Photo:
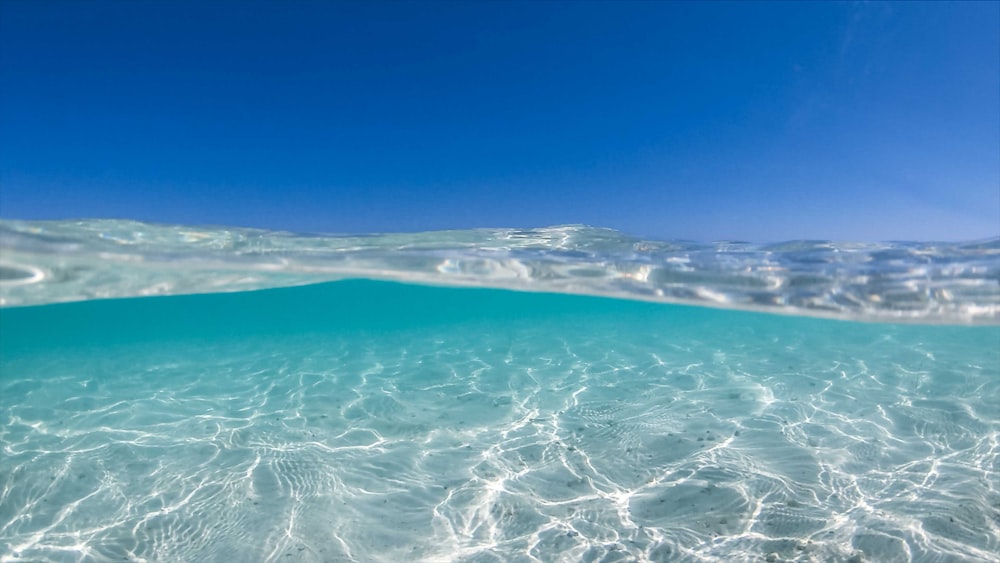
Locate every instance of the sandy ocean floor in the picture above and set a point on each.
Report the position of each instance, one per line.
(374, 421)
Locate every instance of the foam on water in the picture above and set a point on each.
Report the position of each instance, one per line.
(376, 421)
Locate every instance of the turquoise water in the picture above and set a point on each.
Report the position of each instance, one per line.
(364, 420)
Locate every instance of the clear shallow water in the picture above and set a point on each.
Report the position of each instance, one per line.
(378, 421)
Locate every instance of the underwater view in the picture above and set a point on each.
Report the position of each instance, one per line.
(173, 393)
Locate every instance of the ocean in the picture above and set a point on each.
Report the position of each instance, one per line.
(176, 393)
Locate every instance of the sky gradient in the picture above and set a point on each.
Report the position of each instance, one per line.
(844, 121)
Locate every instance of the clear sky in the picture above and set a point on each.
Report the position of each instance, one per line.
(705, 121)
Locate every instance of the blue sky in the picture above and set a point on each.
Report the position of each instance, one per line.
(749, 121)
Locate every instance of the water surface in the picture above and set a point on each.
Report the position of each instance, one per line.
(365, 420)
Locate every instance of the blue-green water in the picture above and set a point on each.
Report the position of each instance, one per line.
(637, 401)
(377, 421)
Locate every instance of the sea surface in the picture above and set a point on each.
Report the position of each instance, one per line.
(174, 393)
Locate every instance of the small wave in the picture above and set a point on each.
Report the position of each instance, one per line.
(44, 262)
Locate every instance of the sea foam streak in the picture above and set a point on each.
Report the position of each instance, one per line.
(947, 283)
